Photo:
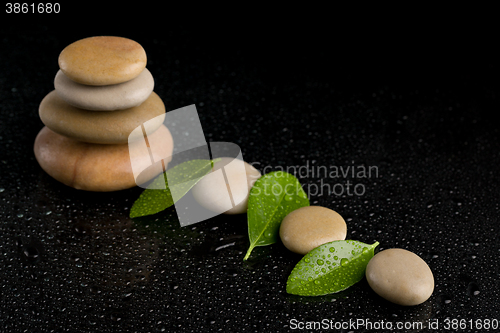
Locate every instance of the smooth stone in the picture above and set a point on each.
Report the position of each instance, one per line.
(212, 191)
(309, 227)
(96, 167)
(102, 60)
(105, 98)
(100, 127)
(400, 276)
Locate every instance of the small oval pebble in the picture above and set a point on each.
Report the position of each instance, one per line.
(400, 276)
(96, 167)
(214, 193)
(309, 227)
(105, 98)
(102, 60)
(100, 127)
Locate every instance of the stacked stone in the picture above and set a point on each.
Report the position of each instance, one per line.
(103, 91)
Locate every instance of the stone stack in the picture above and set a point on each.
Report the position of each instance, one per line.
(103, 92)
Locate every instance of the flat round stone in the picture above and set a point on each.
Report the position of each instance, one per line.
(226, 193)
(102, 60)
(100, 127)
(400, 276)
(96, 167)
(105, 98)
(309, 227)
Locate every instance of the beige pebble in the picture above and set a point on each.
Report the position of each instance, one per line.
(100, 127)
(214, 193)
(96, 167)
(105, 98)
(400, 276)
(102, 60)
(309, 227)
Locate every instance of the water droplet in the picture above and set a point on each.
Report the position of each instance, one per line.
(332, 249)
(31, 253)
(320, 262)
(335, 258)
(443, 299)
(307, 260)
(473, 289)
(344, 261)
(288, 198)
(1, 189)
(365, 250)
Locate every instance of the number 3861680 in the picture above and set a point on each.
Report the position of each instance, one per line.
(25, 8)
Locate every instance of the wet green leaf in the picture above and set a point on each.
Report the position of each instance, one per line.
(162, 194)
(330, 268)
(272, 197)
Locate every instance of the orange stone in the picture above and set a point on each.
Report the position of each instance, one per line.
(97, 167)
(100, 127)
(102, 60)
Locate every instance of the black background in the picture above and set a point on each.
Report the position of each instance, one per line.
(414, 95)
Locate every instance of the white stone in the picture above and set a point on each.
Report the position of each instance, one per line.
(226, 188)
(400, 276)
(105, 98)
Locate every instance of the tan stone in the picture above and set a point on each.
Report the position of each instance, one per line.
(96, 167)
(96, 126)
(309, 227)
(102, 60)
(400, 276)
(105, 98)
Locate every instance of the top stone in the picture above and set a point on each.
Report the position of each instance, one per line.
(102, 60)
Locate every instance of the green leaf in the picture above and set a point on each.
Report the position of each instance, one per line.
(162, 194)
(330, 268)
(272, 197)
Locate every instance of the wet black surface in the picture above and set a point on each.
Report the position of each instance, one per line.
(420, 110)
